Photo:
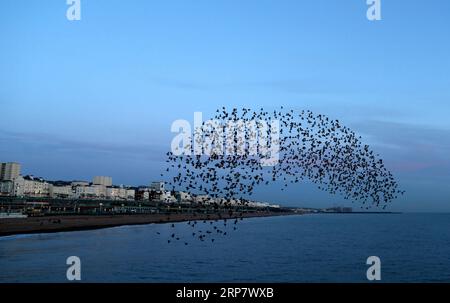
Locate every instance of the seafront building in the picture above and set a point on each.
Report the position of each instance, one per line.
(30, 186)
(120, 193)
(101, 188)
(203, 199)
(93, 191)
(6, 188)
(9, 171)
(60, 192)
(102, 180)
(183, 197)
(142, 193)
(79, 183)
(157, 186)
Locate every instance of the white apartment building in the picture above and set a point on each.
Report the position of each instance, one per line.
(119, 193)
(91, 192)
(183, 196)
(142, 194)
(157, 186)
(61, 191)
(6, 188)
(9, 171)
(204, 199)
(166, 196)
(30, 186)
(116, 193)
(145, 196)
(102, 180)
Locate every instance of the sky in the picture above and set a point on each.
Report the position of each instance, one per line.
(98, 96)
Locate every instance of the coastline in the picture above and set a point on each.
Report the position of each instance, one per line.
(53, 224)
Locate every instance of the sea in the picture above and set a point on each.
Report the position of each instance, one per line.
(412, 247)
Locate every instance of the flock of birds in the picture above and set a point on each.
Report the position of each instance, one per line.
(204, 230)
(310, 147)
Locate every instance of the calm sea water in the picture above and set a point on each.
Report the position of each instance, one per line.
(311, 248)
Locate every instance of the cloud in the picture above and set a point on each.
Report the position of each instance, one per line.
(297, 86)
(181, 84)
(293, 86)
(409, 147)
(55, 144)
(405, 134)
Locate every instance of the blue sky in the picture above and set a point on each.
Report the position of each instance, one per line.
(98, 96)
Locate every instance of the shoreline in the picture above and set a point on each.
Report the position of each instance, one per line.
(54, 224)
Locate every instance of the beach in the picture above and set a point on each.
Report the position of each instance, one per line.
(50, 224)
